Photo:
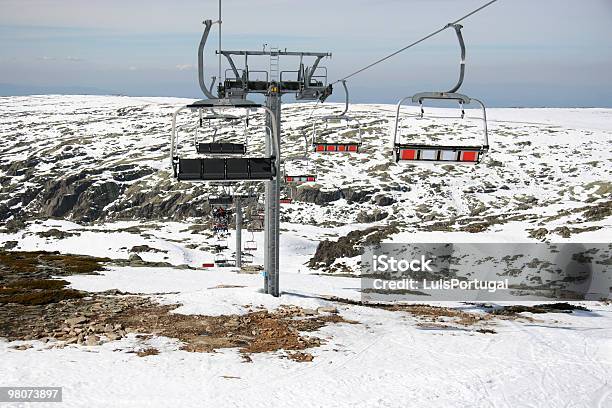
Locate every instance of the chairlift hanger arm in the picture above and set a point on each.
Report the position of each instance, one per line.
(458, 28)
(310, 72)
(208, 25)
(232, 65)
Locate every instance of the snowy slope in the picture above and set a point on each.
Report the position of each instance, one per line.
(89, 158)
(387, 359)
(95, 170)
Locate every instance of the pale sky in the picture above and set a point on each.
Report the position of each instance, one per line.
(520, 52)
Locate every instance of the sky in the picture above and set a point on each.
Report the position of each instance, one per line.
(527, 53)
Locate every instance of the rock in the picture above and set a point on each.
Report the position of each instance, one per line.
(145, 248)
(113, 336)
(309, 312)
(75, 321)
(22, 347)
(8, 245)
(348, 246)
(366, 217)
(135, 258)
(384, 201)
(57, 234)
(539, 233)
(92, 340)
(327, 309)
(14, 225)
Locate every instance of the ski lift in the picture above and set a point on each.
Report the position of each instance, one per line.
(286, 198)
(220, 258)
(342, 146)
(221, 261)
(301, 169)
(221, 243)
(425, 152)
(247, 258)
(251, 244)
(230, 167)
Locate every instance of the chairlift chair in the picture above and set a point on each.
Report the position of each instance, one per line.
(247, 258)
(339, 146)
(301, 169)
(221, 243)
(425, 152)
(251, 244)
(229, 167)
(285, 197)
(220, 258)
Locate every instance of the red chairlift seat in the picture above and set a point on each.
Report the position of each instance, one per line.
(336, 147)
(300, 179)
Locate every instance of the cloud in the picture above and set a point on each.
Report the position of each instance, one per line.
(185, 67)
(46, 58)
(73, 59)
(132, 68)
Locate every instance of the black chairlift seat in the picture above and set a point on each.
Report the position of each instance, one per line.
(207, 169)
(221, 148)
(224, 200)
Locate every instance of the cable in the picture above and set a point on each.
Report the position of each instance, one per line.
(415, 43)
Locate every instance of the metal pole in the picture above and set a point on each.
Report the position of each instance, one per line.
(220, 23)
(271, 265)
(267, 184)
(238, 233)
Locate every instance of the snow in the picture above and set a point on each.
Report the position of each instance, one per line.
(386, 360)
(556, 156)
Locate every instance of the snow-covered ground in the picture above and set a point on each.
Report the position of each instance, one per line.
(546, 170)
(385, 360)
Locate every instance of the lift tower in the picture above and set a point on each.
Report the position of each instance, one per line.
(306, 82)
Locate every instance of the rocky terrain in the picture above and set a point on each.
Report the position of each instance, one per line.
(94, 159)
